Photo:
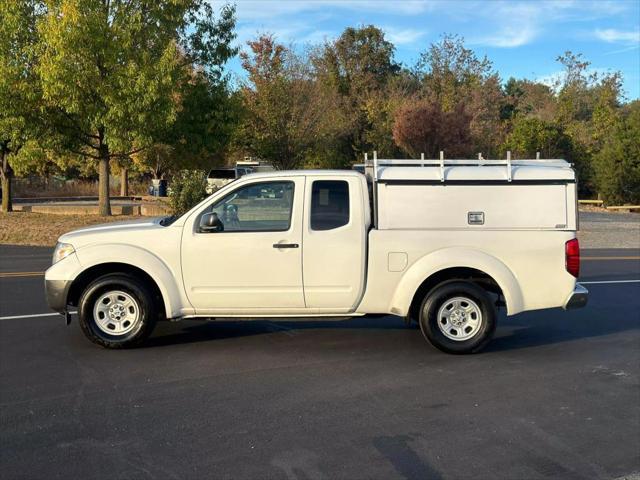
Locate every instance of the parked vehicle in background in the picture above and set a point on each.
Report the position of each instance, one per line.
(442, 243)
(219, 177)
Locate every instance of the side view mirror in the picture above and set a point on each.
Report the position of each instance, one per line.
(210, 222)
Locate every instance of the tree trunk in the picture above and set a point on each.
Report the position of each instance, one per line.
(7, 175)
(124, 182)
(104, 206)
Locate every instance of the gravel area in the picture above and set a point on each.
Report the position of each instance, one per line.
(609, 230)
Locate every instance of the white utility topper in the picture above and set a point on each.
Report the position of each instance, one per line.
(440, 242)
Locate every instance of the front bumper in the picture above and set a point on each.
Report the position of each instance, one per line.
(57, 282)
(56, 292)
(578, 298)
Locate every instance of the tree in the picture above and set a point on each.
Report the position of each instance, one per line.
(187, 190)
(283, 112)
(588, 101)
(606, 109)
(360, 60)
(156, 159)
(20, 94)
(331, 146)
(525, 97)
(112, 70)
(454, 77)
(199, 137)
(483, 109)
(450, 71)
(617, 164)
(588, 109)
(357, 66)
(532, 135)
(206, 116)
(205, 123)
(423, 127)
(574, 97)
(124, 165)
(32, 159)
(381, 107)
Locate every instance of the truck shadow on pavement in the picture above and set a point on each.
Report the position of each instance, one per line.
(522, 331)
(217, 330)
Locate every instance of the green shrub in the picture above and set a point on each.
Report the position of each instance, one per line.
(617, 164)
(187, 190)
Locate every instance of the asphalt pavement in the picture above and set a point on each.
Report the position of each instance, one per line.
(556, 394)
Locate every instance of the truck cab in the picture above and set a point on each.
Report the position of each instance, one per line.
(245, 252)
(442, 244)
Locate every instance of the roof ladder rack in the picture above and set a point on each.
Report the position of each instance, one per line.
(373, 167)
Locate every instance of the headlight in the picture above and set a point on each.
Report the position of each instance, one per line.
(62, 250)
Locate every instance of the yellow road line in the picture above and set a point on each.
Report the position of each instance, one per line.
(21, 274)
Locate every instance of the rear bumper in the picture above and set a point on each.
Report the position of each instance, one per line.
(578, 298)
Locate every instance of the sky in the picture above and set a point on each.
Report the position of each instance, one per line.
(521, 38)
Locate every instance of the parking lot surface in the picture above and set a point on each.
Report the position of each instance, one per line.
(556, 394)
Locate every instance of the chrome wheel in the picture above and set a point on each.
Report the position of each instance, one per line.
(459, 318)
(116, 312)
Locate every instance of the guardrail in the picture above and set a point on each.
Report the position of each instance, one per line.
(618, 208)
(625, 208)
(132, 198)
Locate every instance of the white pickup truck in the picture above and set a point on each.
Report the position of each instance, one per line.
(440, 242)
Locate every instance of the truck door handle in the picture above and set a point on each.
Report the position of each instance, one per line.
(285, 245)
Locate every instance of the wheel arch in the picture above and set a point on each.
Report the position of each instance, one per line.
(456, 263)
(92, 273)
(133, 261)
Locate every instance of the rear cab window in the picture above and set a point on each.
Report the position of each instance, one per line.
(329, 204)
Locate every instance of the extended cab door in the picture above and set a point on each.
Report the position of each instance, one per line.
(334, 242)
(253, 265)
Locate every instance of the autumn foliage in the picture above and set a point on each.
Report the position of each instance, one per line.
(86, 86)
(425, 128)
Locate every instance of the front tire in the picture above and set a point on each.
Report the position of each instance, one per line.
(458, 317)
(117, 311)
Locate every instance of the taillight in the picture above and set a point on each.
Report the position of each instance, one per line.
(572, 257)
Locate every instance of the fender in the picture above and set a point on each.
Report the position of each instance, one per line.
(451, 258)
(165, 279)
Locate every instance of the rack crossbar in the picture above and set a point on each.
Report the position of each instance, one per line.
(469, 162)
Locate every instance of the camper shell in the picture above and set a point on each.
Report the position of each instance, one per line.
(473, 194)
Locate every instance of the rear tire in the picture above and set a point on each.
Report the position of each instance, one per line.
(458, 317)
(117, 311)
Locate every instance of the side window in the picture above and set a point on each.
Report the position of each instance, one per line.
(329, 204)
(258, 207)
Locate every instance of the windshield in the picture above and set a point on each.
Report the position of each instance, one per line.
(166, 221)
